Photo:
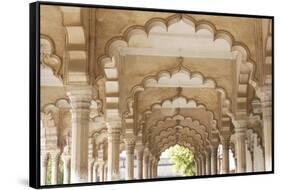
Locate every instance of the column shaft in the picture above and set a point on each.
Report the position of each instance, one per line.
(66, 169)
(130, 147)
(267, 126)
(214, 162)
(145, 166)
(203, 164)
(267, 131)
(54, 167)
(80, 102)
(140, 163)
(149, 167)
(90, 172)
(156, 169)
(101, 172)
(44, 167)
(208, 163)
(225, 158)
(94, 173)
(197, 167)
(240, 149)
(113, 153)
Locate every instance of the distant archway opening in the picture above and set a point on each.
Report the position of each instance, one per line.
(176, 161)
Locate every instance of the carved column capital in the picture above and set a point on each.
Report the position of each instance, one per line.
(130, 144)
(44, 159)
(114, 134)
(55, 155)
(80, 97)
(140, 151)
(241, 127)
(266, 101)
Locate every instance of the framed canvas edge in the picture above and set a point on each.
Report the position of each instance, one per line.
(34, 93)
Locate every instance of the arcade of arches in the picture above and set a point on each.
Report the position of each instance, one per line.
(141, 82)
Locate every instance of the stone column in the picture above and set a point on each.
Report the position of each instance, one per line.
(54, 168)
(140, 162)
(214, 155)
(208, 162)
(90, 171)
(105, 174)
(113, 152)
(43, 168)
(153, 168)
(225, 155)
(66, 169)
(149, 166)
(145, 165)
(156, 168)
(95, 172)
(80, 101)
(241, 147)
(203, 164)
(197, 167)
(130, 148)
(249, 159)
(267, 126)
(101, 171)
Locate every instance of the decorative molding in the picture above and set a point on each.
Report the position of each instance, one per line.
(48, 56)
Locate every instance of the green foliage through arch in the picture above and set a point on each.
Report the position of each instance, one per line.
(183, 159)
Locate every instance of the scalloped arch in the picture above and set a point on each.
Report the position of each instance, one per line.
(169, 141)
(175, 100)
(99, 132)
(48, 55)
(184, 131)
(165, 24)
(179, 117)
(154, 79)
(166, 146)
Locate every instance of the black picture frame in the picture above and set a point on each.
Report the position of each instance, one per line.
(34, 93)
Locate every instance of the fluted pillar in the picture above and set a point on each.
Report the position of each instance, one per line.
(149, 166)
(241, 147)
(90, 171)
(266, 101)
(153, 168)
(249, 159)
(145, 165)
(156, 168)
(105, 174)
(214, 155)
(66, 169)
(197, 167)
(80, 98)
(208, 162)
(130, 147)
(113, 152)
(101, 171)
(54, 168)
(140, 162)
(225, 156)
(203, 164)
(95, 172)
(43, 169)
